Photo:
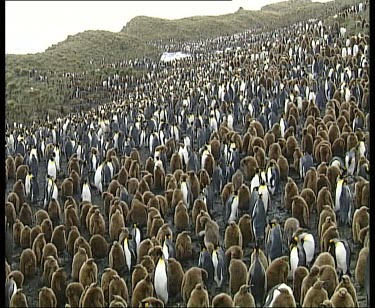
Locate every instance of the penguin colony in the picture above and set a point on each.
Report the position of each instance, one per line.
(249, 191)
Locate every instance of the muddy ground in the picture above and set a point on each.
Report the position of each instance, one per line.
(31, 286)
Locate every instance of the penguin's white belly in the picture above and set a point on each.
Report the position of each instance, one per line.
(341, 257)
(184, 193)
(309, 246)
(293, 261)
(161, 283)
(86, 195)
(128, 257)
(338, 195)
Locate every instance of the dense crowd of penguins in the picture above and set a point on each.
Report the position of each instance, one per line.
(156, 198)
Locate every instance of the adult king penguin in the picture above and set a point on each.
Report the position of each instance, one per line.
(161, 279)
(340, 250)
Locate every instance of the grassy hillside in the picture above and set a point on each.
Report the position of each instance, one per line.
(27, 98)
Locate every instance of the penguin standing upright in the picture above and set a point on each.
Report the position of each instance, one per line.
(10, 289)
(273, 178)
(297, 256)
(86, 192)
(51, 168)
(343, 201)
(129, 252)
(233, 216)
(340, 250)
(259, 219)
(350, 161)
(137, 236)
(168, 248)
(274, 244)
(308, 244)
(218, 263)
(257, 279)
(161, 279)
(28, 180)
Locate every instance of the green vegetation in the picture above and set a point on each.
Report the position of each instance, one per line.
(93, 52)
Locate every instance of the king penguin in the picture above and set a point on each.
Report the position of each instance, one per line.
(168, 248)
(51, 168)
(340, 250)
(161, 279)
(308, 244)
(274, 245)
(218, 262)
(257, 279)
(10, 289)
(344, 202)
(86, 192)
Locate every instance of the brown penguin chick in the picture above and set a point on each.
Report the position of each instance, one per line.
(155, 223)
(364, 236)
(10, 167)
(175, 276)
(142, 290)
(328, 274)
(309, 196)
(351, 141)
(192, 277)
(361, 219)
(170, 182)
(360, 267)
(99, 246)
(139, 273)
(237, 275)
(132, 185)
(348, 285)
(117, 286)
(150, 164)
(47, 298)
(299, 274)
(71, 217)
(290, 226)
(26, 215)
(237, 180)
(291, 191)
(315, 295)
(201, 220)
(310, 180)
(151, 201)
(326, 211)
(243, 297)
(78, 260)
(215, 149)
(222, 300)
(54, 212)
(322, 168)
(296, 159)
(19, 190)
(183, 246)
(74, 175)
(176, 162)
(260, 156)
(134, 170)
(246, 229)
(225, 192)
(97, 223)
(40, 215)
(13, 198)
(47, 229)
(248, 166)
(17, 277)
(81, 242)
(58, 238)
(18, 299)
(198, 297)
(291, 145)
(159, 178)
(25, 237)
(198, 206)
(309, 281)
(59, 284)
(151, 302)
(307, 141)
(143, 186)
(72, 236)
(209, 165)
(274, 151)
(137, 214)
(37, 247)
(338, 147)
(163, 232)
(322, 182)
(181, 216)
(331, 233)
(67, 188)
(10, 213)
(148, 263)
(73, 293)
(115, 225)
(332, 173)
(84, 213)
(143, 249)
(269, 139)
(283, 164)
(243, 198)
(112, 187)
(107, 198)
(93, 297)
(277, 272)
(117, 257)
(48, 250)
(262, 257)
(106, 279)
(324, 258)
(88, 273)
(211, 232)
(329, 222)
(17, 230)
(233, 235)
(50, 266)
(163, 204)
(28, 263)
(300, 210)
(342, 298)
